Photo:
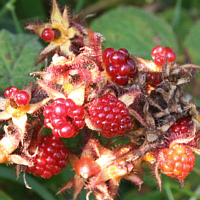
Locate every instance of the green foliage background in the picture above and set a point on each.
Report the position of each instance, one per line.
(138, 25)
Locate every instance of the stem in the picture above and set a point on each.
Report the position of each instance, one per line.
(177, 14)
(168, 191)
(6, 7)
(79, 6)
(15, 19)
(187, 192)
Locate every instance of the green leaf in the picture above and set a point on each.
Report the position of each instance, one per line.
(184, 24)
(191, 44)
(7, 173)
(18, 53)
(4, 196)
(137, 31)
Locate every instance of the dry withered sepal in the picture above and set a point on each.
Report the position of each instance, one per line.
(77, 72)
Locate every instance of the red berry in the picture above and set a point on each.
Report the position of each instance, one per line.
(59, 109)
(119, 65)
(106, 55)
(118, 58)
(112, 70)
(182, 128)
(110, 115)
(22, 98)
(51, 158)
(154, 78)
(10, 92)
(67, 130)
(47, 34)
(121, 80)
(171, 56)
(48, 111)
(176, 161)
(133, 68)
(125, 52)
(160, 61)
(64, 117)
(158, 50)
(86, 167)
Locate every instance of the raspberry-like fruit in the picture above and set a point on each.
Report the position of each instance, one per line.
(22, 98)
(119, 65)
(10, 92)
(47, 34)
(162, 55)
(176, 161)
(110, 115)
(51, 157)
(181, 129)
(64, 117)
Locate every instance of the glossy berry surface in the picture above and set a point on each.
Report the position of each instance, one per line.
(50, 159)
(64, 117)
(110, 115)
(182, 128)
(119, 66)
(86, 167)
(22, 98)
(154, 78)
(47, 34)
(163, 55)
(176, 161)
(10, 92)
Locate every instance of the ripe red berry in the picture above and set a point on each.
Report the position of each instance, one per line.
(51, 158)
(22, 98)
(181, 129)
(106, 55)
(110, 115)
(86, 167)
(47, 34)
(176, 161)
(10, 92)
(158, 50)
(119, 65)
(171, 56)
(162, 55)
(64, 117)
(160, 60)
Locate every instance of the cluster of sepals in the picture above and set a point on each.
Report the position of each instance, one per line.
(154, 99)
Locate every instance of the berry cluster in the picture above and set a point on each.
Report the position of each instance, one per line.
(50, 159)
(182, 129)
(110, 115)
(64, 117)
(176, 161)
(21, 98)
(162, 55)
(48, 34)
(119, 65)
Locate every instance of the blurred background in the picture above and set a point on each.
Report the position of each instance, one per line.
(138, 26)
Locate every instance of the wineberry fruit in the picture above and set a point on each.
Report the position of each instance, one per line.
(47, 34)
(176, 161)
(110, 115)
(10, 92)
(51, 158)
(22, 98)
(119, 65)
